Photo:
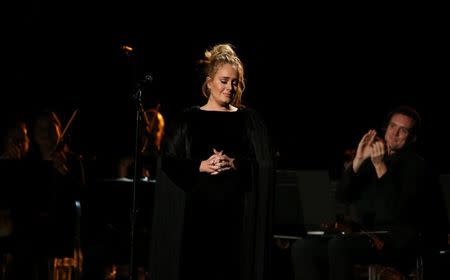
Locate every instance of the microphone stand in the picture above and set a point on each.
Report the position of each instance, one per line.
(136, 175)
(137, 96)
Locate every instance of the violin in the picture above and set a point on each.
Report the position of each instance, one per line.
(61, 144)
(348, 228)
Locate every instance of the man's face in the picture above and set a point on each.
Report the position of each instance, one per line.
(398, 132)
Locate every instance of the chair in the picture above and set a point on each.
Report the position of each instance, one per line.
(436, 263)
(380, 272)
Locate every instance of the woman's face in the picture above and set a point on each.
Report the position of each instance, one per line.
(18, 137)
(47, 133)
(223, 85)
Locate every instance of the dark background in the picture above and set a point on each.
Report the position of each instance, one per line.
(320, 77)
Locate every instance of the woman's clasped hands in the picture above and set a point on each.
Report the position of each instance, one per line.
(217, 163)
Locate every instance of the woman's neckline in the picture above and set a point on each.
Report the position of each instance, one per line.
(231, 110)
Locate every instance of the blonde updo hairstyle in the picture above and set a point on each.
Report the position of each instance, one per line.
(213, 59)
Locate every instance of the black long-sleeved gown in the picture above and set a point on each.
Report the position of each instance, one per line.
(213, 226)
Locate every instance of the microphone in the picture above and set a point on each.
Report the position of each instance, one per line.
(147, 80)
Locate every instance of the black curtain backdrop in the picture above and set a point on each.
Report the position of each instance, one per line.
(320, 81)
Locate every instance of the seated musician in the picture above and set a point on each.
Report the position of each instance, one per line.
(389, 188)
(46, 212)
(108, 246)
(14, 145)
(152, 134)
